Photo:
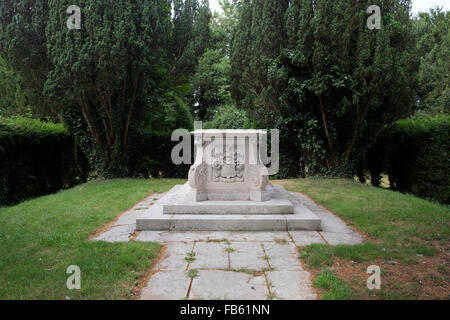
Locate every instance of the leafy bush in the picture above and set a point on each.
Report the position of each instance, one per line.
(416, 155)
(228, 117)
(36, 158)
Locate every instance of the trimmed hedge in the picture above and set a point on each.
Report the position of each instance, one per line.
(36, 158)
(415, 153)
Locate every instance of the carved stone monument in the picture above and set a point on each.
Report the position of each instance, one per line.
(228, 166)
(228, 190)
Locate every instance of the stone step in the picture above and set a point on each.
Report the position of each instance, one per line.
(274, 206)
(228, 222)
(176, 212)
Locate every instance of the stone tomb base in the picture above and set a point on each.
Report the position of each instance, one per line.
(176, 211)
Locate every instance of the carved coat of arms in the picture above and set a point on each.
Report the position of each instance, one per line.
(228, 167)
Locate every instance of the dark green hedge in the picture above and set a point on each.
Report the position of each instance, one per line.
(415, 153)
(152, 157)
(36, 158)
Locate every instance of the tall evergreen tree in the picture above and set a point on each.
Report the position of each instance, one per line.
(433, 45)
(111, 69)
(191, 36)
(324, 78)
(240, 53)
(23, 45)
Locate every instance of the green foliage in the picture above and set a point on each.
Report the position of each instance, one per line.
(404, 226)
(20, 126)
(173, 114)
(111, 71)
(210, 84)
(417, 156)
(191, 36)
(40, 238)
(228, 117)
(126, 70)
(315, 71)
(12, 98)
(37, 158)
(23, 44)
(337, 288)
(224, 24)
(433, 46)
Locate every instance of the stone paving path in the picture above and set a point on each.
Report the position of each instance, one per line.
(230, 265)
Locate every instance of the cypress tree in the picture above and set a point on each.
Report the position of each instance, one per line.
(327, 81)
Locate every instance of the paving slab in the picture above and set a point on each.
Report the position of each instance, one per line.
(117, 234)
(131, 215)
(166, 285)
(212, 236)
(228, 285)
(247, 255)
(210, 255)
(282, 257)
(291, 285)
(173, 258)
(305, 238)
(174, 236)
(342, 238)
(329, 222)
(215, 279)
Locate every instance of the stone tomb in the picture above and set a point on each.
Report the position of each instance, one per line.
(228, 190)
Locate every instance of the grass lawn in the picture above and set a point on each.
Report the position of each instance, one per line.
(40, 238)
(408, 238)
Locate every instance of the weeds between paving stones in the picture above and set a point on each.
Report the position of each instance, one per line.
(281, 241)
(226, 241)
(272, 296)
(192, 273)
(190, 257)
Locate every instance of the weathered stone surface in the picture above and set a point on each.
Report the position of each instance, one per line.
(166, 285)
(173, 236)
(228, 166)
(304, 238)
(174, 256)
(342, 238)
(257, 236)
(330, 222)
(228, 285)
(183, 203)
(155, 219)
(247, 255)
(288, 281)
(282, 257)
(117, 234)
(130, 216)
(210, 255)
(274, 206)
(291, 285)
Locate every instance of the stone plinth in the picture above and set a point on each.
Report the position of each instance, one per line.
(228, 166)
(228, 190)
(271, 215)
